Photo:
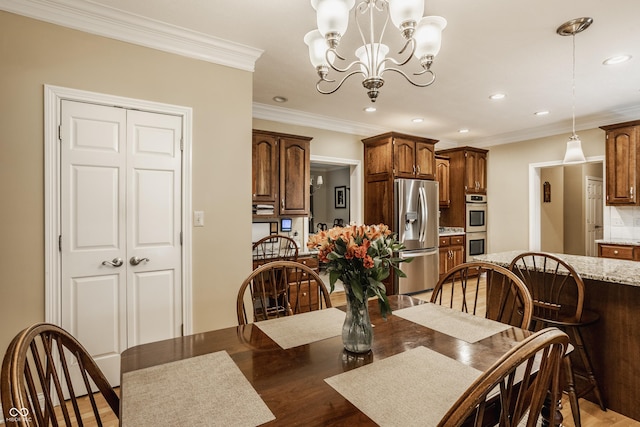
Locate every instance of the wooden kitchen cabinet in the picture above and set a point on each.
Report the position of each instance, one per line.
(265, 157)
(389, 156)
(451, 253)
(306, 295)
(475, 172)
(621, 155)
(626, 252)
(442, 176)
(281, 172)
(467, 175)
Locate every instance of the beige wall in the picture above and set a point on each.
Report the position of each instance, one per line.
(551, 213)
(33, 54)
(508, 184)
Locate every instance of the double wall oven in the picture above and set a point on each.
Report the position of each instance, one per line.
(475, 224)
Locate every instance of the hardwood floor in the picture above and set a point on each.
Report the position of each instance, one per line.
(591, 415)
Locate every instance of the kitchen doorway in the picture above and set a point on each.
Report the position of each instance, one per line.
(339, 197)
(558, 206)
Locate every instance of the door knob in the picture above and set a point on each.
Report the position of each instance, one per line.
(116, 262)
(135, 260)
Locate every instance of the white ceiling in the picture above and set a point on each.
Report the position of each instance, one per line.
(489, 46)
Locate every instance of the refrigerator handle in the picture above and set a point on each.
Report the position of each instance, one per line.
(422, 196)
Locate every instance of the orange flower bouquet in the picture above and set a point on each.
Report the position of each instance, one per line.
(361, 256)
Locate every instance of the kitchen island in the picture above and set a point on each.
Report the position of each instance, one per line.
(612, 289)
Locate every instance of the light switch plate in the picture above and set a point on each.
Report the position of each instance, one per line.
(198, 218)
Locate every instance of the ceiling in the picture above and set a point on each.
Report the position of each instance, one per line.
(488, 46)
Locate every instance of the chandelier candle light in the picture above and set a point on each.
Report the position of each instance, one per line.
(574, 152)
(421, 37)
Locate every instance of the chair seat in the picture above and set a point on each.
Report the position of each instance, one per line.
(588, 317)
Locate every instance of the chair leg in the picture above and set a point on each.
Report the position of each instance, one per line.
(579, 344)
(571, 390)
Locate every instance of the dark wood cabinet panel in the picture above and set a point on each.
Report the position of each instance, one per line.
(451, 250)
(295, 175)
(442, 176)
(265, 168)
(467, 175)
(475, 175)
(621, 154)
(626, 252)
(425, 160)
(281, 172)
(389, 156)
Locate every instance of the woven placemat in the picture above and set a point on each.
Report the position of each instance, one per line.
(208, 390)
(413, 388)
(454, 323)
(305, 328)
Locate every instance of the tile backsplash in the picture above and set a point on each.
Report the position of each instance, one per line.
(622, 222)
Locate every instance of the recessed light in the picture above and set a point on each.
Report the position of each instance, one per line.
(418, 120)
(369, 109)
(497, 96)
(463, 131)
(280, 99)
(616, 59)
(541, 113)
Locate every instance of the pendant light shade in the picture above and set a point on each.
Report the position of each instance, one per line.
(574, 152)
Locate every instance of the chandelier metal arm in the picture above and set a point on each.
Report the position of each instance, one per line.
(348, 67)
(430, 82)
(324, 92)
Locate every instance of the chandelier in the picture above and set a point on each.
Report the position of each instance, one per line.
(574, 152)
(421, 39)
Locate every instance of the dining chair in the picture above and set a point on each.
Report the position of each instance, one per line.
(558, 300)
(273, 248)
(44, 363)
(519, 380)
(281, 288)
(507, 298)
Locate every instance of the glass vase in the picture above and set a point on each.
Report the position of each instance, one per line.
(357, 332)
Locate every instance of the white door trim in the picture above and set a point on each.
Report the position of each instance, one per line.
(534, 197)
(52, 99)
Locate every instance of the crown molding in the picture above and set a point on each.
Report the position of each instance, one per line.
(300, 118)
(116, 24)
(618, 115)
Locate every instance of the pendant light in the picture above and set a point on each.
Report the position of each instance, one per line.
(574, 152)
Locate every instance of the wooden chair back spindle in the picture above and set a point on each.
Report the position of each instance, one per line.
(46, 361)
(507, 298)
(281, 288)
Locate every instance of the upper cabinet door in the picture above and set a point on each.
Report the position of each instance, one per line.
(425, 160)
(295, 176)
(442, 176)
(265, 168)
(621, 159)
(404, 154)
(475, 172)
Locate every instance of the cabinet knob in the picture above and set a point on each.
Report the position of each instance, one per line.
(615, 252)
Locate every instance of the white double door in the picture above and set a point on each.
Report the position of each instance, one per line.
(120, 228)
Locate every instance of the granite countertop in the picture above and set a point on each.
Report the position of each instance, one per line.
(602, 269)
(626, 241)
(450, 231)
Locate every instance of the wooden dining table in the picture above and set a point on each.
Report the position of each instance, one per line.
(292, 382)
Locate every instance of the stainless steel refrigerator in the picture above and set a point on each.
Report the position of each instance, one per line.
(416, 222)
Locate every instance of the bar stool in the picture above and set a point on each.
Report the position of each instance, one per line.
(558, 298)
